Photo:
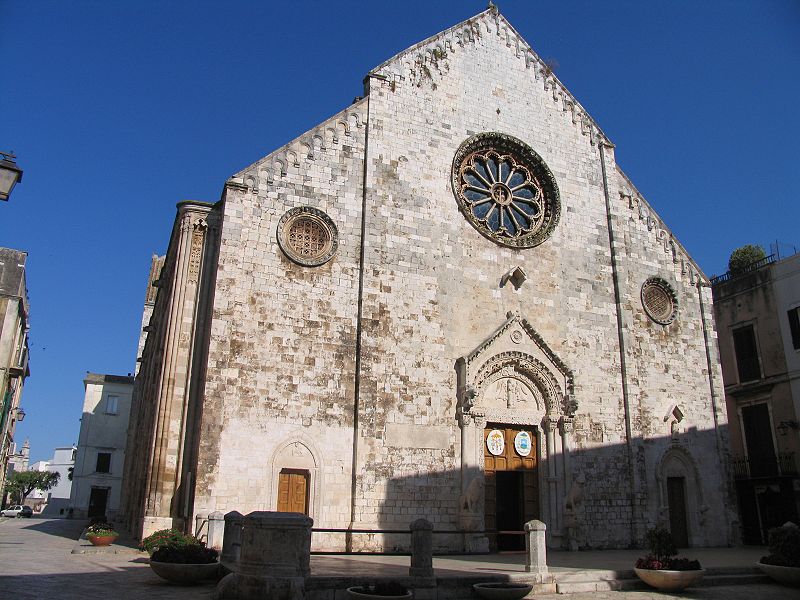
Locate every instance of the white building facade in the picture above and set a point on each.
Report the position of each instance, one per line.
(97, 477)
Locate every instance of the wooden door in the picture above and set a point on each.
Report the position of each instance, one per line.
(510, 460)
(676, 500)
(293, 491)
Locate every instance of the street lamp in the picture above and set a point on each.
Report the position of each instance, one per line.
(10, 174)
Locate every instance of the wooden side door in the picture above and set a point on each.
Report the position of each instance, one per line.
(676, 501)
(293, 491)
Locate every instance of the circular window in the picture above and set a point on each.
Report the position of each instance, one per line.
(505, 190)
(659, 301)
(307, 236)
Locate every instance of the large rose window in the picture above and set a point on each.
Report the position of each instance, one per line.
(505, 190)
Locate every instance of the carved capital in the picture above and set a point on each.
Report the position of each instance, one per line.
(550, 424)
(567, 426)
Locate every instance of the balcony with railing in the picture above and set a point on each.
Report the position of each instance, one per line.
(767, 465)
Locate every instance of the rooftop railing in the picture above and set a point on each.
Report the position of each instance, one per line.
(755, 266)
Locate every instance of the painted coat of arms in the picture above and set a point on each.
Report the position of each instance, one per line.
(495, 442)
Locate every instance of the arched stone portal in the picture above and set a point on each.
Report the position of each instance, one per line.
(513, 386)
(680, 492)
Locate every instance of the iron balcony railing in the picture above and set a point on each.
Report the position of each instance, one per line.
(768, 465)
(767, 260)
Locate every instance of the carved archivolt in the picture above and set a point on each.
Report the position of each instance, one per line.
(526, 368)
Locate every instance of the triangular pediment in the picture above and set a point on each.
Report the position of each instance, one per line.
(423, 58)
(516, 342)
(516, 335)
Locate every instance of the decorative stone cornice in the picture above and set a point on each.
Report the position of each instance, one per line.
(303, 149)
(640, 208)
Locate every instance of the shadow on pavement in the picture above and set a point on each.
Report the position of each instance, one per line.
(58, 527)
(130, 583)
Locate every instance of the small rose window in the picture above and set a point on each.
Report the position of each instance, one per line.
(659, 301)
(307, 236)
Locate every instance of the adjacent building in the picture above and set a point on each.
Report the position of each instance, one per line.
(758, 324)
(14, 312)
(18, 457)
(445, 301)
(55, 502)
(100, 456)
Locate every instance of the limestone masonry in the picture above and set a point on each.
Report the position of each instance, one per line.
(446, 301)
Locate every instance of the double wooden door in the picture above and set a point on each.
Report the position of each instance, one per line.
(511, 486)
(293, 491)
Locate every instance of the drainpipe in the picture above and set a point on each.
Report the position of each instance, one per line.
(634, 483)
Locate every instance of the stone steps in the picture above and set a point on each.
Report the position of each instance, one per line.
(626, 580)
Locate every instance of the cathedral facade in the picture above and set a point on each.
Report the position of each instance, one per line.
(446, 301)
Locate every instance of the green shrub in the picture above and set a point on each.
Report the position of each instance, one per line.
(189, 554)
(784, 546)
(743, 257)
(660, 543)
(166, 537)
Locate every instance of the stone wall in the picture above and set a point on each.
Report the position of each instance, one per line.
(281, 367)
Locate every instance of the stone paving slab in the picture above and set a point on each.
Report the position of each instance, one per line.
(36, 563)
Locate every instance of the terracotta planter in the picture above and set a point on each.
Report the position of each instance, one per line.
(669, 580)
(502, 590)
(787, 575)
(183, 574)
(101, 540)
(359, 593)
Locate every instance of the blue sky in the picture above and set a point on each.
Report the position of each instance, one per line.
(118, 110)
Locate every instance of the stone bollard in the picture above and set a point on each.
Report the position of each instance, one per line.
(231, 540)
(216, 530)
(535, 550)
(421, 549)
(275, 556)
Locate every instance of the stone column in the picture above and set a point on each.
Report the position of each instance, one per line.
(566, 426)
(275, 556)
(550, 424)
(465, 423)
(535, 547)
(421, 549)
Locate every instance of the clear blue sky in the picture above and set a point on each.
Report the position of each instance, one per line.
(118, 110)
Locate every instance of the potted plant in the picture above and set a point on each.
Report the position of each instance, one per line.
(387, 590)
(661, 568)
(186, 562)
(101, 534)
(504, 590)
(783, 561)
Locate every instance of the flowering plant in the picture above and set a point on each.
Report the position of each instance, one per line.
(101, 529)
(165, 537)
